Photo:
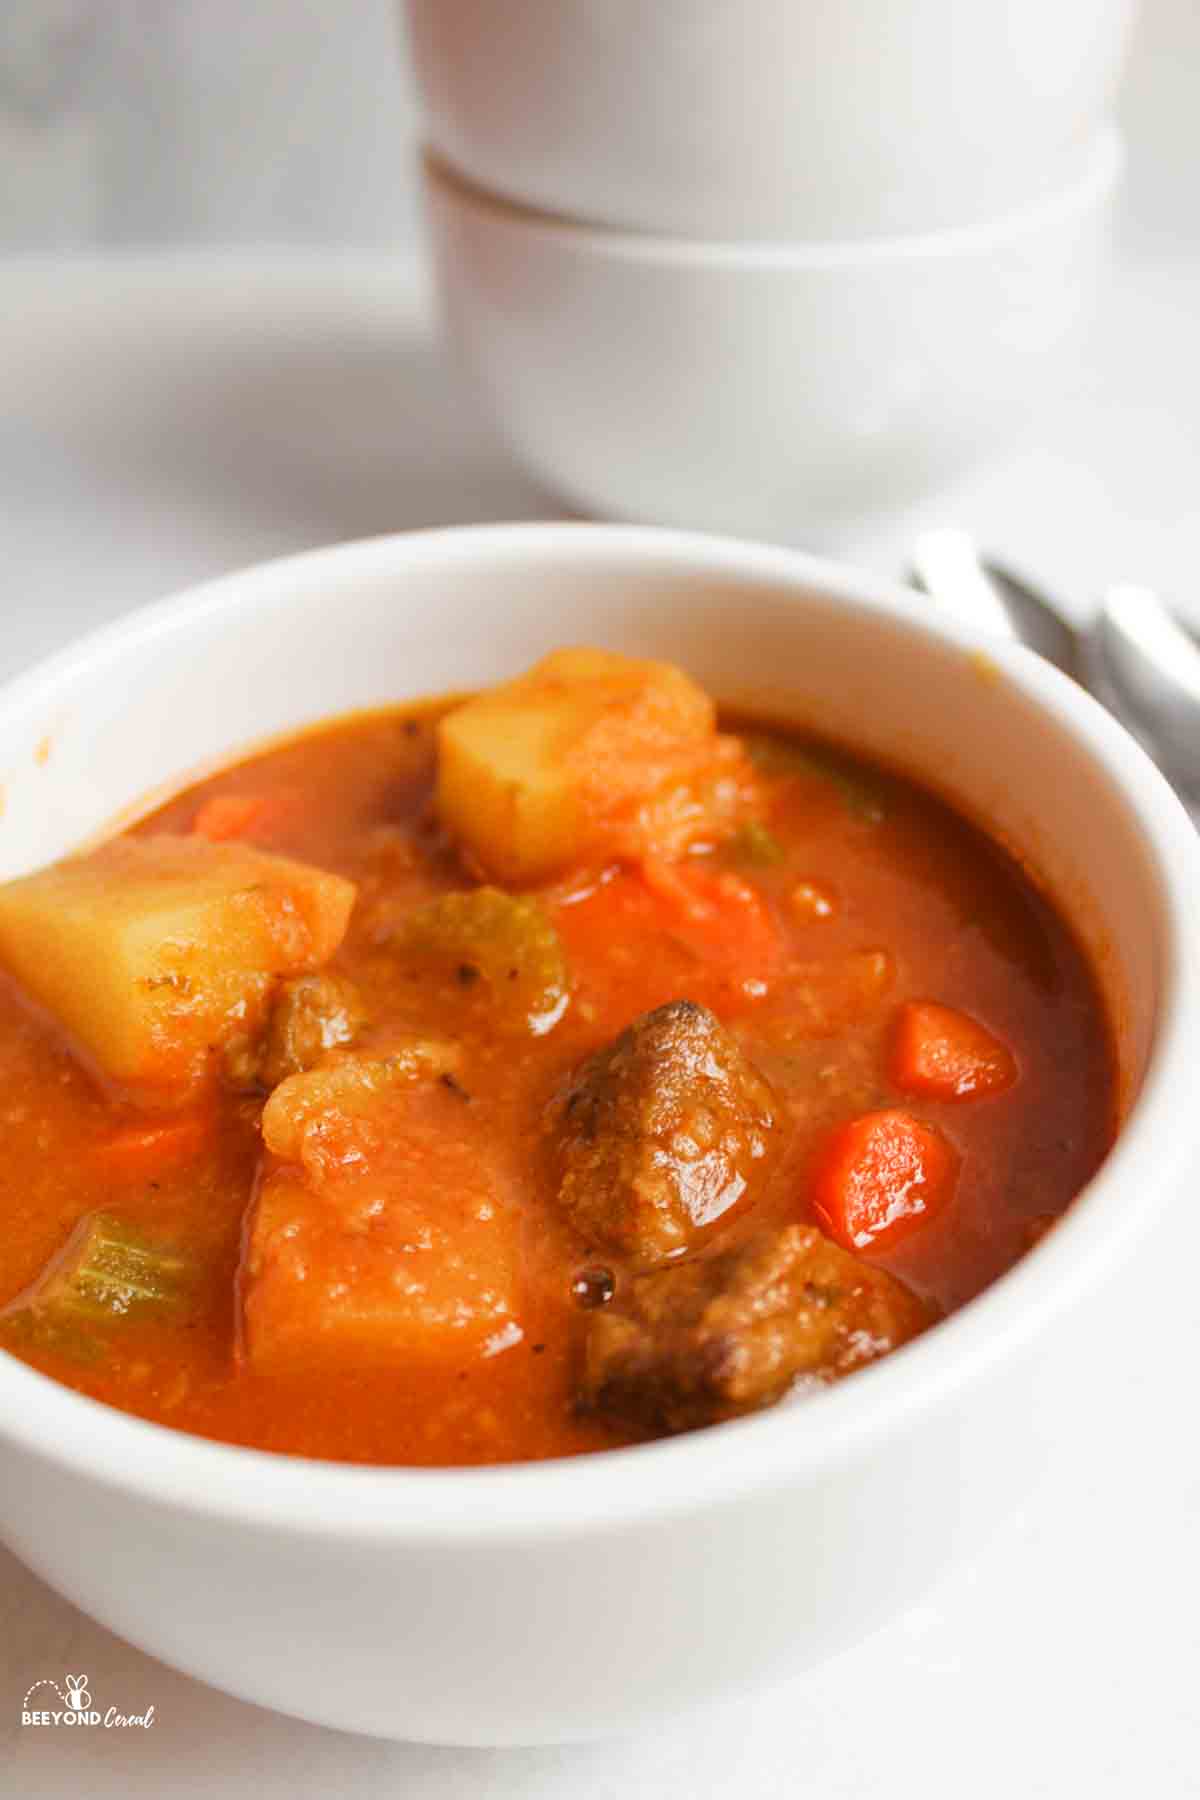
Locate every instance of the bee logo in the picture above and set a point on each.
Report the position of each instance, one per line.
(78, 1697)
(77, 1700)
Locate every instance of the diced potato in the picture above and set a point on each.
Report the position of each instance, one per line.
(155, 952)
(411, 1259)
(588, 755)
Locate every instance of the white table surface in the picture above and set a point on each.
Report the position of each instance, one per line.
(160, 422)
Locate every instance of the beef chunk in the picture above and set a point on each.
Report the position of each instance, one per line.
(662, 1132)
(309, 1016)
(717, 1336)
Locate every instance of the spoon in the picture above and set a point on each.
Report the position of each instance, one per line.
(1152, 669)
(1135, 655)
(947, 566)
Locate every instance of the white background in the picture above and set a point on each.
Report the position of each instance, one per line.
(134, 122)
(160, 420)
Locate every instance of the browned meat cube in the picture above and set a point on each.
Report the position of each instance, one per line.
(723, 1335)
(662, 1132)
(309, 1016)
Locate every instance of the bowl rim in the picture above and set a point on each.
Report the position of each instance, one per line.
(1101, 165)
(609, 1490)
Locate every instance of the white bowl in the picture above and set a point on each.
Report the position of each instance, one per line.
(563, 1599)
(767, 118)
(769, 390)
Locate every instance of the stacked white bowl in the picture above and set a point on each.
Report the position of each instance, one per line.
(769, 266)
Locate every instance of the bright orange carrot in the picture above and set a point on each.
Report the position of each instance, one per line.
(942, 1054)
(882, 1176)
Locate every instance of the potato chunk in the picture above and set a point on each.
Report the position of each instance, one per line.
(587, 756)
(405, 1254)
(154, 952)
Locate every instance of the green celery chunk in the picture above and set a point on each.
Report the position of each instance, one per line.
(106, 1271)
(504, 941)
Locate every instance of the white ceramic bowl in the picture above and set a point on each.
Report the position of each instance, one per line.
(767, 118)
(563, 1599)
(769, 390)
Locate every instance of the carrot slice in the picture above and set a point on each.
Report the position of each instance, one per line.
(224, 816)
(942, 1054)
(143, 1148)
(882, 1176)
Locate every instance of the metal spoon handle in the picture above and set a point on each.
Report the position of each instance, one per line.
(1139, 644)
(1137, 659)
(947, 566)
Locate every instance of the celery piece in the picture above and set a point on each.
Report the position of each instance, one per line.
(503, 940)
(107, 1270)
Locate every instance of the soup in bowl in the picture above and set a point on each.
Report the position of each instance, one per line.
(593, 1071)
